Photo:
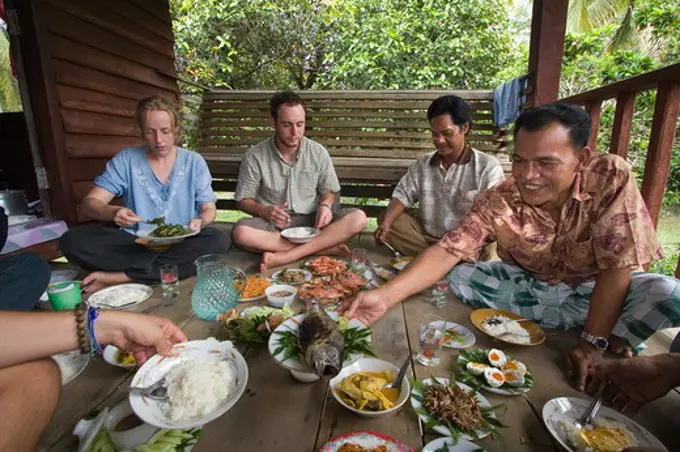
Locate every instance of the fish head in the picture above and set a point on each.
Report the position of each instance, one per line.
(326, 361)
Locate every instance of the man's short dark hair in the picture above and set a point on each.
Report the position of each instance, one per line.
(452, 105)
(573, 117)
(287, 97)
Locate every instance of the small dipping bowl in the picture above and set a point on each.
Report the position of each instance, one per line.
(111, 354)
(65, 295)
(279, 301)
(126, 430)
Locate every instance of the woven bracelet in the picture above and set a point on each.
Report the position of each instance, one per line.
(80, 314)
(92, 315)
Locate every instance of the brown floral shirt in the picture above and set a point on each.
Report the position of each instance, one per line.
(604, 225)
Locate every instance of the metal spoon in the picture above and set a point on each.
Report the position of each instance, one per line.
(590, 413)
(396, 383)
(395, 252)
(155, 392)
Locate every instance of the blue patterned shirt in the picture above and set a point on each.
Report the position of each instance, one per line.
(129, 175)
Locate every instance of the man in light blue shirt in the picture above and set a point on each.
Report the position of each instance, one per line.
(155, 180)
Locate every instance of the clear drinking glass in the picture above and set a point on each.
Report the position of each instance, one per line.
(432, 328)
(439, 293)
(359, 259)
(170, 280)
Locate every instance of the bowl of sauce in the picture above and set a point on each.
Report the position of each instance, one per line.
(279, 295)
(126, 430)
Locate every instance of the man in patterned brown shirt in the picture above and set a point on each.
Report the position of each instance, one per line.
(573, 234)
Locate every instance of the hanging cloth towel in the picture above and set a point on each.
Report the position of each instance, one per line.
(507, 100)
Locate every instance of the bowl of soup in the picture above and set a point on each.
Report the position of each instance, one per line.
(279, 295)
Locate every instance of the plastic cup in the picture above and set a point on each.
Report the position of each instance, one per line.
(65, 295)
(432, 328)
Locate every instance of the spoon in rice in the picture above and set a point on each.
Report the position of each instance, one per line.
(588, 415)
(156, 391)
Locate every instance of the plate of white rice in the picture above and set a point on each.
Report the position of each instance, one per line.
(204, 381)
(507, 327)
(559, 415)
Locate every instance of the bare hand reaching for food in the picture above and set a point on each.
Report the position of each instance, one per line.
(125, 217)
(324, 215)
(367, 307)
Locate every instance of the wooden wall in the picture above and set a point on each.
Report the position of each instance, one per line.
(99, 57)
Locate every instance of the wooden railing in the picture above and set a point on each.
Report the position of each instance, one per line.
(666, 83)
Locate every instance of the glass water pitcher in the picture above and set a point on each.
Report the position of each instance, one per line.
(218, 286)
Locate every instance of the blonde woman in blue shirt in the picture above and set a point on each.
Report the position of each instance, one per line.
(157, 179)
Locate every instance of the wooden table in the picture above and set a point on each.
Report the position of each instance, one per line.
(277, 413)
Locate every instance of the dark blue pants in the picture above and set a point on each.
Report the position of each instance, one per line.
(23, 279)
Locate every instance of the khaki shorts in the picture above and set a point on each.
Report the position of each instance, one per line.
(296, 220)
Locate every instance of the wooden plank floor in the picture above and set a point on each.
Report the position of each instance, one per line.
(279, 413)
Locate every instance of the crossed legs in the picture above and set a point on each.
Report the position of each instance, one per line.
(29, 394)
(279, 251)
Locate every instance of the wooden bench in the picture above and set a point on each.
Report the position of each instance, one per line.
(372, 136)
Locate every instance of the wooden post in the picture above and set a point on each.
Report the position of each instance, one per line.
(623, 119)
(594, 109)
(677, 270)
(657, 164)
(548, 28)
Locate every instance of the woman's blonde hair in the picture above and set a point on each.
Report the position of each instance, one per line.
(159, 103)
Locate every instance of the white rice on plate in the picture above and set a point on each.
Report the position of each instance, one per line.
(510, 330)
(198, 387)
(576, 440)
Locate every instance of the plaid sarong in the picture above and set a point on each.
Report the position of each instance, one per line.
(652, 303)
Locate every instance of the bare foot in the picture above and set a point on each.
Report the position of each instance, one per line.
(98, 280)
(268, 261)
(620, 347)
(337, 250)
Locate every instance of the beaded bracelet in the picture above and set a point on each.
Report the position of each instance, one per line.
(81, 328)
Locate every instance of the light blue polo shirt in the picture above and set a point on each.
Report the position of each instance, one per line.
(129, 176)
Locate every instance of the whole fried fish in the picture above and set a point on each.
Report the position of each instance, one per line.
(321, 344)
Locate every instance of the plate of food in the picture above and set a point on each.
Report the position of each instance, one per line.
(458, 336)
(253, 324)
(330, 291)
(204, 380)
(326, 266)
(609, 430)
(292, 276)
(121, 296)
(447, 444)
(507, 327)
(300, 235)
(164, 233)
(383, 273)
(400, 263)
(494, 371)
(319, 342)
(453, 409)
(255, 287)
(364, 441)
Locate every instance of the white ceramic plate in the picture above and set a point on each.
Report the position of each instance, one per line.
(156, 368)
(146, 233)
(293, 324)
(458, 336)
(307, 274)
(566, 409)
(505, 389)
(447, 444)
(369, 440)
(121, 296)
(71, 364)
(442, 429)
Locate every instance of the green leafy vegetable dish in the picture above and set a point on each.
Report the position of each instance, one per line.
(165, 230)
(454, 409)
(356, 341)
(494, 371)
(254, 324)
(163, 441)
